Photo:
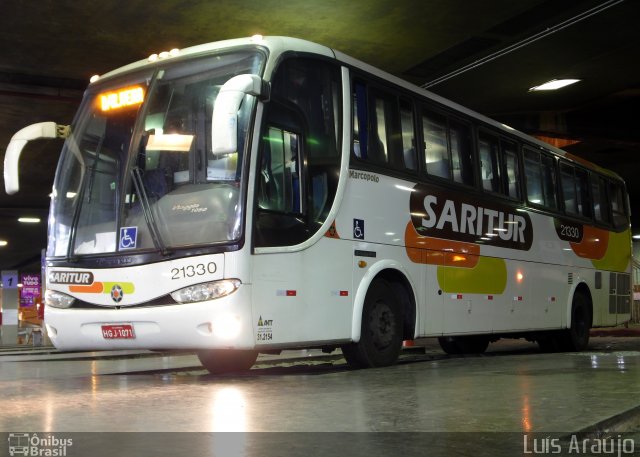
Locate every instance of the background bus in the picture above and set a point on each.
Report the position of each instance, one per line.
(270, 193)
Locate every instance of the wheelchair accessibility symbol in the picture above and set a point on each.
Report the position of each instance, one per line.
(128, 237)
(358, 229)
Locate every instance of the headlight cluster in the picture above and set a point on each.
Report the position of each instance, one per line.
(206, 291)
(57, 299)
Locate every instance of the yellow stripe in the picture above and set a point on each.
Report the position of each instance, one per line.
(127, 287)
(489, 276)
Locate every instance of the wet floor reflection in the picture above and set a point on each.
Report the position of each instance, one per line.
(514, 392)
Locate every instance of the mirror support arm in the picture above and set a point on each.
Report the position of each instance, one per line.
(17, 144)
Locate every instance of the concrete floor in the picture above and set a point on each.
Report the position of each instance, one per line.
(511, 391)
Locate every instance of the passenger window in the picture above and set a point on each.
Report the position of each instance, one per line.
(618, 205)
(489, 163)
(436, 152)
(360, 129)
(600, 202)
(585, 206)
(408, 136)
(509, 153)
(533, 177)
(549, 186)
(568, 189)
(461, 153)
(378, 148)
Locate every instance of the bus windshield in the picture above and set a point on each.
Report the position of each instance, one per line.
(137, 171)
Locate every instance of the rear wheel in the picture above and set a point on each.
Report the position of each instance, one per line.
(381, 331)
(576, 337)
(218, 361)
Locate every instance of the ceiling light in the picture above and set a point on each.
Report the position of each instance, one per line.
(3, 243)
(554, 84)
(29, 220)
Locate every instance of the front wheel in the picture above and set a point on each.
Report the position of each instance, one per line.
(218, 361)
(381, 330)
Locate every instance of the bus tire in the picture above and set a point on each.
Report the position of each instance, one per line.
(218, 361)
(576, 337)
(381, 329)
(472, 344)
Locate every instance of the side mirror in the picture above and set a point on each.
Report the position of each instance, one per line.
(225, 111)
(19, 141)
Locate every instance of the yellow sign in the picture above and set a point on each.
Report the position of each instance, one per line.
(122, 98)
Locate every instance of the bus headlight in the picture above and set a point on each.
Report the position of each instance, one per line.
(57, 299)
(206, 291)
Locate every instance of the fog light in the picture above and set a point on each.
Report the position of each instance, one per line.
(227, 326)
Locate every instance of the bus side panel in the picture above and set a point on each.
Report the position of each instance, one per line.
(303, 297)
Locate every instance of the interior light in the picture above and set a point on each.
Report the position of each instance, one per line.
(636, 237)
(29, 220)
(3, 243)
(171, 142)
(554, 84)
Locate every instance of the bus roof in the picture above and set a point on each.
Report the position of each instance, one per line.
(278, 45)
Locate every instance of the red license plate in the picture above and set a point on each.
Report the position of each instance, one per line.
(118, 332)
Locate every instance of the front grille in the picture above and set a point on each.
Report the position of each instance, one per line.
(165, 300)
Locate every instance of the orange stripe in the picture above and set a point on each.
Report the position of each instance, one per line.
(95, 288)
(437, 250)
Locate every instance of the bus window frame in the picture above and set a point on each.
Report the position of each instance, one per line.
(503, 192)
(575, 166)
(373, 85)
(557, 210)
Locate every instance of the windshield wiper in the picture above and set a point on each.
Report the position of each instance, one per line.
(148, 214)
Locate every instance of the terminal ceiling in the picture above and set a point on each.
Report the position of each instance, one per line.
(482, 54)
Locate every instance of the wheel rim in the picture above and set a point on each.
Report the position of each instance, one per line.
(381, 325)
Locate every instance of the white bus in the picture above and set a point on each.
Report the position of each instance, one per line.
(262, 194)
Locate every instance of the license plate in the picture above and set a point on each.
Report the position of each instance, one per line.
(118, 332)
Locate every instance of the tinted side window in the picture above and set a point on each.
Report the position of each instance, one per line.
(549, 181)
(436, 152)
(575, 191)
(568, 189)
(600, 200)
(511, 169)
(461, 153)
(618, 205)
(489, 163)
